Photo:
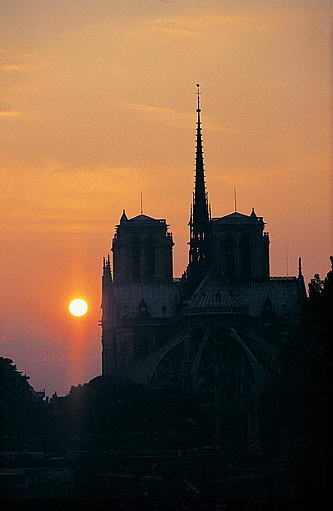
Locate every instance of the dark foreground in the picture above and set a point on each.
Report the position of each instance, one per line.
(205, 478)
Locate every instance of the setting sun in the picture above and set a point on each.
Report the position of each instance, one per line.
(78, 307)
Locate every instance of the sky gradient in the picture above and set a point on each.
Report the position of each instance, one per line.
(98, 101)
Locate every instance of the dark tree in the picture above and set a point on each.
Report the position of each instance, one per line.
(315, 288)
(21, 410)
(107, 407)
(294, 407)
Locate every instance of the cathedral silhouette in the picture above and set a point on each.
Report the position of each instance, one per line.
(219, 327)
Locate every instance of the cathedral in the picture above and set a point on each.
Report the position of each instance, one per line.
(217, 328)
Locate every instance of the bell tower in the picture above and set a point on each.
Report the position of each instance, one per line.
(241, 246)
(142, 250)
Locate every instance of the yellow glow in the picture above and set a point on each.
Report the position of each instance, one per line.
(78, 307)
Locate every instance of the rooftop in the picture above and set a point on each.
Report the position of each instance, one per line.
(144, 219)
(238, 218)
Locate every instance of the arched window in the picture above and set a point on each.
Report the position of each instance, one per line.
(229, 257)
(149, 257)
(135, 244)
(245, 253)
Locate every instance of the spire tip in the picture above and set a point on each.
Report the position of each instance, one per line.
(300, 267)
(198, 94)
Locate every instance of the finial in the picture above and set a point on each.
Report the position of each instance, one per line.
(141, 207)
(123, 217)
(235, 199)
(198, 94)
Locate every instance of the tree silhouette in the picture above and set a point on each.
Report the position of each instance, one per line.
(21, 410)
(108, 406)
(294, 407)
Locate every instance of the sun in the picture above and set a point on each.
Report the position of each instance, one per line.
(78, 307)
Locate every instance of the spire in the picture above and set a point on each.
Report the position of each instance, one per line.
(200, 206)
(300, 268)
(200, 224)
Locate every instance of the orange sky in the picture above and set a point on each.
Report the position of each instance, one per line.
(97, 101)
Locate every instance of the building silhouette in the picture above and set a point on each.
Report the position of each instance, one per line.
(219, 327)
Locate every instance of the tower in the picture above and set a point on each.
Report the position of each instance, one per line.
(142, 250)
(241, 247)
(139, 299)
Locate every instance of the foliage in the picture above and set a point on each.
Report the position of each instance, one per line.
(21, 410)
(108, 406)
(315, 287)
(294, 406)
